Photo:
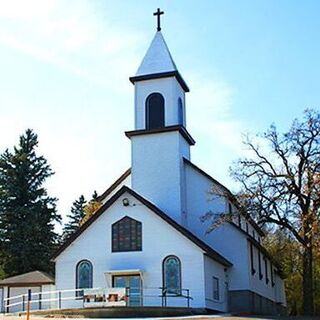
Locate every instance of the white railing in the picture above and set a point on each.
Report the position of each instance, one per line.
(43, 300)
(69, 299)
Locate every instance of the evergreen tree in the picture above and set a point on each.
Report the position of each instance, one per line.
(77, 214)
(27, 213)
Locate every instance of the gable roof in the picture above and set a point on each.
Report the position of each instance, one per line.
(207, 249)
(232, 197)
(125, 175)
(29, 278)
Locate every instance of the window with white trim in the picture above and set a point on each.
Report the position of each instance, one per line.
(83, 276)
(215, 291)
(171, 269)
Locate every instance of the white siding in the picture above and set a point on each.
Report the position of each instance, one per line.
(170, 90)
(125, 182)
(214, 269)
(226, 239)
(5, 295)
(16, 291)
(157, 170)
(232, 245)
(48, 293)
(1, 299)
(279, 289)
(260, 286)
(159, 240)
(199, 201)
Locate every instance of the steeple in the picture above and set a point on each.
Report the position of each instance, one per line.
(159, 89)
(157, 59)
(158, 63)
(160, 140)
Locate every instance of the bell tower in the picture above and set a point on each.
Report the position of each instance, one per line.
(160, 140)
(159, 89)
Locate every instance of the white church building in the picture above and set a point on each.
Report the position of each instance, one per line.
(148, 235)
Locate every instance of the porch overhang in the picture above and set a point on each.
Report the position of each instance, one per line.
(124, 272)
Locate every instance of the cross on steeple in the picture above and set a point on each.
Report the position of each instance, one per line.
(158, 13)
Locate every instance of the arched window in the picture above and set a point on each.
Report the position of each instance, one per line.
(83, 276)
(180, 111)
(172, 275)
(127, 235)
(155, 111)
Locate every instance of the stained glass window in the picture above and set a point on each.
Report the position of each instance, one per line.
(253, 271)
(260, 267)
(84, 276)
(271, 272)
(155, 111)
(127, 235)
(172, 275)
(266, 269)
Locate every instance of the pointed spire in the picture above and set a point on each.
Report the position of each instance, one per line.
(158, 63)
(158, 58)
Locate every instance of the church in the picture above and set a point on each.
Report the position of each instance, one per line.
(149, 236)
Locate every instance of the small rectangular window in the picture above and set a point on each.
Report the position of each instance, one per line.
(216, 295)
(253, 271)
(266, 269)
(260, 267)
(271, 272)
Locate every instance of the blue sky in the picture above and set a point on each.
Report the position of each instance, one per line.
(64, 69)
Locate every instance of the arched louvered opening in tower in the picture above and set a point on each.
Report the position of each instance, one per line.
(155, 111)
(180, 112)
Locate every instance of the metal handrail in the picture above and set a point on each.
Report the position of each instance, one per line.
(58, 297)
(32, 301)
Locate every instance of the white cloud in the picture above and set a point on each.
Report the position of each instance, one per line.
(212, 122)
(85, 144)
(26, 10)
(210, 107)
(72, 35)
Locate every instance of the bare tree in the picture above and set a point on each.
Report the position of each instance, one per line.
(281, 186)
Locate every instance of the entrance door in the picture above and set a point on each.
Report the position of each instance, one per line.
(133, 284)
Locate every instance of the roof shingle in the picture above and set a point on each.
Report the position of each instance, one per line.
(29, 278)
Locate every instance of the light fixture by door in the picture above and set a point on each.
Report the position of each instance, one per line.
(125, 202)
